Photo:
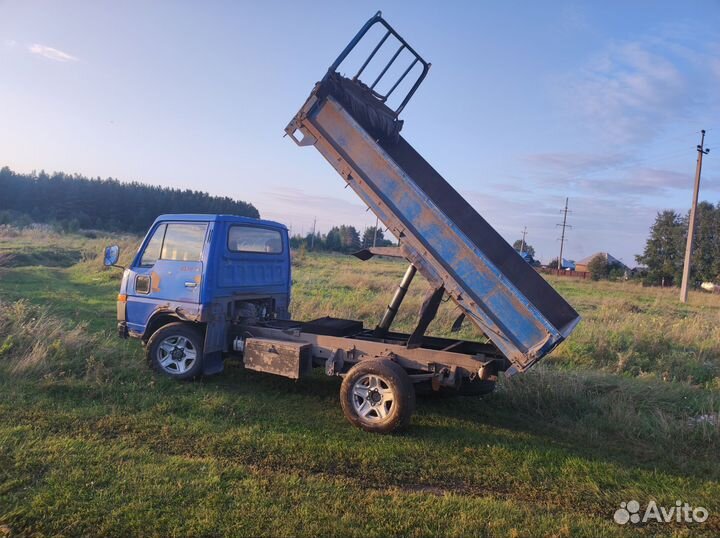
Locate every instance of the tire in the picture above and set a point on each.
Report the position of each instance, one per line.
(176, 350)
(372, 379)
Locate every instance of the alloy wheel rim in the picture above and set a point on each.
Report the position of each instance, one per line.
(372, 398)
(176, 354)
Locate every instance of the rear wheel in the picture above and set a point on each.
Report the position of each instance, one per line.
(176, 350)
(377, 396)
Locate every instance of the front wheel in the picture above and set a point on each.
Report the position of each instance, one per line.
(176, 350)
(377, 396)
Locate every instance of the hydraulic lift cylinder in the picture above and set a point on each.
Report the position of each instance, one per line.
(396, 301)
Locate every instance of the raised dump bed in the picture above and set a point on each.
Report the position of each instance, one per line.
(440, 234)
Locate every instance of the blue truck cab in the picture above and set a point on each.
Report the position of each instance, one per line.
(203, 269)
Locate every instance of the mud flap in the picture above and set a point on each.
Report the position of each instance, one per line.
(215, 337)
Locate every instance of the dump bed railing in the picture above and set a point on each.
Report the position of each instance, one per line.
(448, 242)
(416, 60)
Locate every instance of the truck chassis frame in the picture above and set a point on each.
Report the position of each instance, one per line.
(444, 362)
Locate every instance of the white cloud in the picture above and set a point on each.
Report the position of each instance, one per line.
(299, 209)
(632, 90)
(51, 53)
(574, 163)
(601, 222)
(613, 173)
(714, 62)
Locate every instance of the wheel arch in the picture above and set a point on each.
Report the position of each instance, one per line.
(163, 317)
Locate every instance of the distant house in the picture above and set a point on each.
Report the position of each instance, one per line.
(568, 265)
(582, 265)
(525, 256)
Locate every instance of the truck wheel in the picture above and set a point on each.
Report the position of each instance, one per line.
(176, 350)
(377, 396)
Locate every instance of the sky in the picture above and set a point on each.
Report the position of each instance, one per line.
(526, 103)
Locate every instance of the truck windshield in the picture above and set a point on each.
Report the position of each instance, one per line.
(254, 239)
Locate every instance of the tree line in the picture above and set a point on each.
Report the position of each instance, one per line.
(343, 238)
(75, 201)
(665, 247)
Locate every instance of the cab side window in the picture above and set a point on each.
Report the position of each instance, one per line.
(152, 250)
(184, 242)
(254, 239)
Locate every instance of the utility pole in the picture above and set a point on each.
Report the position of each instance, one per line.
(691, 224)
(562, 236)
(312, 239)
(522, 245)
(377, 221)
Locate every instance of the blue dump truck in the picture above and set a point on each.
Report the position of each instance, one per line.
(205, 287)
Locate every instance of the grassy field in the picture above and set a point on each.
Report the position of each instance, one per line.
(93, 443)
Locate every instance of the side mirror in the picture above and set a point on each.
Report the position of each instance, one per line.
(112, 254)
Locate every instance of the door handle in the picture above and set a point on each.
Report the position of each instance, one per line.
(190, 284)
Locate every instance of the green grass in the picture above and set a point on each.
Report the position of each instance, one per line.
(626, 329)
(31, 247)
(93, 443)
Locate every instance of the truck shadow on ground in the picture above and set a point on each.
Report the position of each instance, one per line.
(462, 444)
(468, 422)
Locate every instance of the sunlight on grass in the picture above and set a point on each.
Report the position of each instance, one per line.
(93, 443)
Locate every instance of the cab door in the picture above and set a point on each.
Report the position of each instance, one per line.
(167, 273)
